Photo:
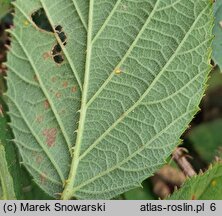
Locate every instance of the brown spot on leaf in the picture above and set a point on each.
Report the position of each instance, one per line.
(58, 94)
(50, 135)
(39, 159)
(123, 7)
(65, 84)
(39, 118)
(54, 79)
(46, 104)
(74, 89)
(36, 78)
(46, 55)
(42, 178)
(62, 111)
(193, 197)
(33, 153)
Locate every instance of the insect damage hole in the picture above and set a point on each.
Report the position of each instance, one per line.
(41, 20)
(58, 59)
(62, 37)
(61, 34)
(58, 28)
(56, 51)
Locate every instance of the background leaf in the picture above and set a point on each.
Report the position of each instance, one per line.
(23, 186)
(126, 76)
(205, 186)
(9, 150)
(215, 80)
(6, 182)
(217, 31)
(207, 139)
(5, 6)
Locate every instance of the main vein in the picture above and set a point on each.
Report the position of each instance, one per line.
(128, 52)
(67, 193)
(118, 165)
(136, 104)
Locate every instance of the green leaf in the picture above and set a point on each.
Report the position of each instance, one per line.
(205, 186)
(207, 139)
(6, 182)
(215, 80)
(217, 31)
(31, 191)
(24, 187)
(99, 104)
(11, 154)
(4, 7)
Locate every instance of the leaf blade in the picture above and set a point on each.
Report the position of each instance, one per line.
(5, 177)
(143, 67)
(105, 173)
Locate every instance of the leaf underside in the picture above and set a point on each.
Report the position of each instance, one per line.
(98, 123)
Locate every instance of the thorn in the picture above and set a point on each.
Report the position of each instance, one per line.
(10, 124)
(11, 140)
(9, 30)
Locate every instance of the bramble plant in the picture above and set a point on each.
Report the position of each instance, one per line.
(99, 92)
